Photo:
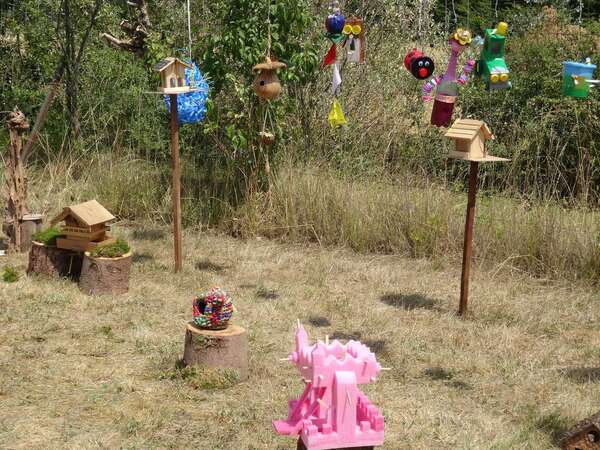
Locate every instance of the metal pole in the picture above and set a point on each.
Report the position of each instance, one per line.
(176, 182)
(468, 244)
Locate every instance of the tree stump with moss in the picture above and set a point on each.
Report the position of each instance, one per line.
(105, 275)
(53, 262)
(301, 446)
(217, 349)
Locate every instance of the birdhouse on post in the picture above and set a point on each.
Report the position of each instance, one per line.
(469, 137)
(172, 76)
(85, 226)
(583, 436)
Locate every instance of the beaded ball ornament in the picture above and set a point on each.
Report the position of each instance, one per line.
(213, 309)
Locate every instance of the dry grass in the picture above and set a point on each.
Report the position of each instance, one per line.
(81, 372)
(408, 216)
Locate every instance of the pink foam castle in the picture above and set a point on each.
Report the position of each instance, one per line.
(332, 412)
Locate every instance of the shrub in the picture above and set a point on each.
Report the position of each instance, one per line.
(114, 250)
(47, 236)
(10, 274)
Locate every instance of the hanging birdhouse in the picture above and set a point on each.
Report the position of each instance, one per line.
(420, 66)
(172, 76)
(492, 65)
(267, 85)
(354, 29)
(578, 78)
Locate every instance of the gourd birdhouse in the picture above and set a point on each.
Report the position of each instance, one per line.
(469, 137)
(267, 85)
(583, 436)
(172, 76)
(85, 226)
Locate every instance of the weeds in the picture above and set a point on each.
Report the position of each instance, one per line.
(10, 274)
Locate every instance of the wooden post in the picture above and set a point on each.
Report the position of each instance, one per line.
(176, 182)
(468, 244)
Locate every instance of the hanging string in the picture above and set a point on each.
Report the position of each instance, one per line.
(269, 30)
(580, 9)
(496, 10)
(454, 12)
(189, 20)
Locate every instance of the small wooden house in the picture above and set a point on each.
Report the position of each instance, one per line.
(85, 226)
(470, 137)
(172, 75)
(583, 436)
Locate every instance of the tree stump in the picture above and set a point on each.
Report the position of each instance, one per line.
(217, 349)
(105, 275)
(301, 446)
(53, 262)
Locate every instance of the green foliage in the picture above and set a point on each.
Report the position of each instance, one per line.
(47, 236)
(114, 250)
(10, 274)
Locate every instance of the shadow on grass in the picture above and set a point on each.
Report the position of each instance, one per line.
(141, 258)
(447, 377)
(319, 321)
(266, 294)
(148, 234)
(582, 374)
(208, 266)
(408, 301)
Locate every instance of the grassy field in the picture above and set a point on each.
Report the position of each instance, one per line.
(81, 372)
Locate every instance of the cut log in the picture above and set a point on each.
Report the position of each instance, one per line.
(301, 446)
(53, 262)
(105, 275)
(222, 349)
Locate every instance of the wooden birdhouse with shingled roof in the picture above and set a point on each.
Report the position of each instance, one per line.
(172, 76)
(85, 226)
(583, 436)
(469, 138)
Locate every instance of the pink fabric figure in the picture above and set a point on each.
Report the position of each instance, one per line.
(332, 412)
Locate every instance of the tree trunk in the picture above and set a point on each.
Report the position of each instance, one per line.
(15, 181)
(71, 75)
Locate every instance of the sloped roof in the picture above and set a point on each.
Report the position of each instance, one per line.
(269, 64)
(468, 129)
(583, 426)
(89, 213)
(163, 64)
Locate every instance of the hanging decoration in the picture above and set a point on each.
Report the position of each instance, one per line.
(191, 106)
(345, 35)
(336, 115)
(267, 85)
(578, 78)
(420, 66)
(354, 30)
(491, 65)
(447, 85)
